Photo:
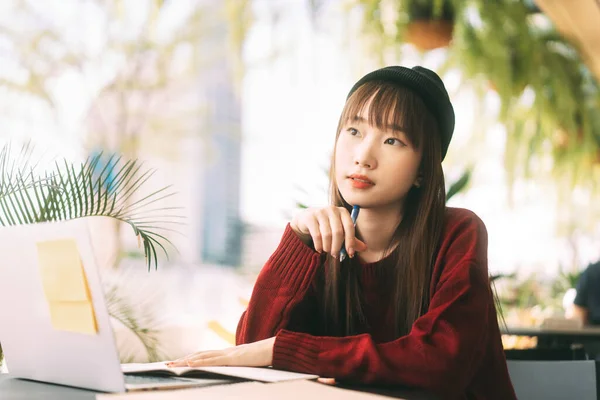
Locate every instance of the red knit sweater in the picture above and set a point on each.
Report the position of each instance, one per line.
(453, 350)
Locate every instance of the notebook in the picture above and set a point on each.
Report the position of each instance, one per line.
(267, 374)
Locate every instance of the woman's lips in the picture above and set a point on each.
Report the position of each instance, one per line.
(360, 182)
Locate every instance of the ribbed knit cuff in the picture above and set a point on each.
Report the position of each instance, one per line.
(292, 265)
(295, 351)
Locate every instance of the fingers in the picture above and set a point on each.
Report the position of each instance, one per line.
(204, 354)
(257, 354)
(327, 381)
(203, 358)
(359, 245)
(324, 229)
(349, 233)
(211, 358)
(221, 361)
(337, 230)
(330, 228)
(181, 362)
(313, 227)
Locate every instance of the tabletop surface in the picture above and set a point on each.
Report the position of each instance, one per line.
(21, 389)
(536, 331)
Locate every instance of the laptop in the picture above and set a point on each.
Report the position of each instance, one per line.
(33, 346)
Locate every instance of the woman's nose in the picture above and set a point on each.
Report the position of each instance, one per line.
(365, 156)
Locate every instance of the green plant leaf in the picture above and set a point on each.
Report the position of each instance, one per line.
(73, 191)
(141, 323)
(459, 185)
(502, 44)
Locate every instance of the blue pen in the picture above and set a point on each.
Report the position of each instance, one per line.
(354, 216)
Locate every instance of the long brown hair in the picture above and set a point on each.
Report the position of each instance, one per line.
(417, 236)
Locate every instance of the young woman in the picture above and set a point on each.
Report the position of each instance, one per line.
(412, 304)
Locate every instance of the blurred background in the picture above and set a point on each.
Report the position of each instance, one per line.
(235, 104)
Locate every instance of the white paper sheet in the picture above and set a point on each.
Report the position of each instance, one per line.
(251, 373)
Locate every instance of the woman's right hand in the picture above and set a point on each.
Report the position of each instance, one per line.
(328, 228)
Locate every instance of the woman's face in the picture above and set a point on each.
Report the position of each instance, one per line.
(375, 167)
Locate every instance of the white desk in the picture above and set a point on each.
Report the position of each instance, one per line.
(18, 389)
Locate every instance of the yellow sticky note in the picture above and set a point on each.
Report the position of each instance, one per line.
(73, 316)
(62, 274)
(65, 286)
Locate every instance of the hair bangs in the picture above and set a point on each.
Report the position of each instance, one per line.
(391, 107)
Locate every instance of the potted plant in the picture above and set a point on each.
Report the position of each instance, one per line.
(79, 190)
(513, 48)
(430, 24)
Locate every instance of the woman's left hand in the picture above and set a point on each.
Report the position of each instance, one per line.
(257, 354)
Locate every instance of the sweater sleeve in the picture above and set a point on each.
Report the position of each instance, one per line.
(445, 345)
(281, 286)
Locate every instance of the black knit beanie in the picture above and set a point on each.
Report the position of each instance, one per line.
(428, 86)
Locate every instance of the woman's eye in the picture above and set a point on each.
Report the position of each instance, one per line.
(353, 132)
(394, 142)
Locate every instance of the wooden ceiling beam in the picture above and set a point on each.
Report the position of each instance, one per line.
(579, 21)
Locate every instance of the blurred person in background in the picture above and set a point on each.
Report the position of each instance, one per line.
(586, 305)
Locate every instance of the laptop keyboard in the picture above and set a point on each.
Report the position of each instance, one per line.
(158, 380)
(151, 379)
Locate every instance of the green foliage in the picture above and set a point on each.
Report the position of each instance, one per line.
(522, 293)
(535, 290)
(141, 322)
(460, 184)
(507, 44)
(564, 281)
(72, 191)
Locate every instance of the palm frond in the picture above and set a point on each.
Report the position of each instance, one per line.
(136, 320)
(11, 169)
(95, 188)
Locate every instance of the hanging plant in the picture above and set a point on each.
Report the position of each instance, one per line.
(430, 24)
(510, 46)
